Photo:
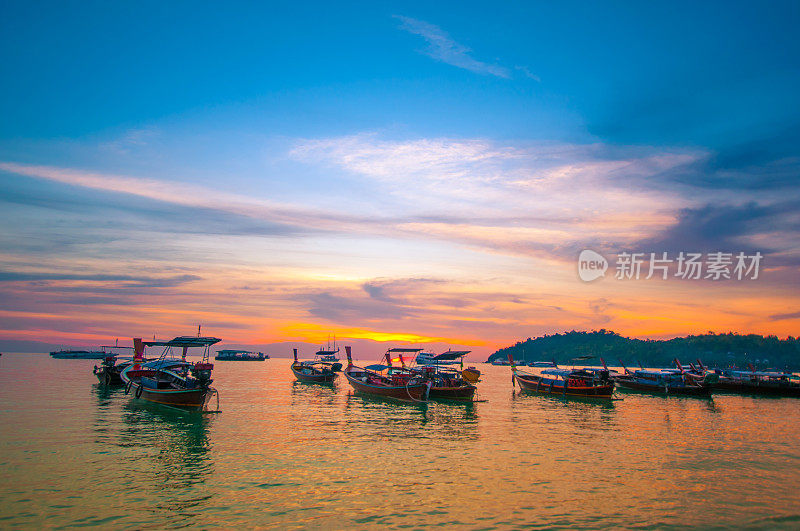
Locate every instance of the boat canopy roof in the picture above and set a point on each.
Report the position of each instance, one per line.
(451, 355)
(184, 341)
(658, 372)
(115, 346)
(377, 367)
(232, 351)
(327, 352)
(165, 363)
(405, 350)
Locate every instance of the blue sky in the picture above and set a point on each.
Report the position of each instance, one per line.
(80, 69)
(485, 140)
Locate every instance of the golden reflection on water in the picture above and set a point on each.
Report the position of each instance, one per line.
(287, 454)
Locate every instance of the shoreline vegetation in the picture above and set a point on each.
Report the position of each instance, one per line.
(720, 350)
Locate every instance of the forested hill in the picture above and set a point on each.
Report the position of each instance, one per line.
(713, 349)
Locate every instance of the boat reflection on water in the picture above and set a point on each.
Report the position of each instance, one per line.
(386, 418)
(559, 401)
(453, 421)
(106, 393)
(173, 457)
(314, 395)
(584, 416)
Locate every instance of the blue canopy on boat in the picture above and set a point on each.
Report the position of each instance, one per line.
(184, 341)
(558, 372)
(451, 355)
(377, 367)
(160, 364)
(658, 372)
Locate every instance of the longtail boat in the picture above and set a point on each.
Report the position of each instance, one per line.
(108, 372)
(594, 383)
(772, 383)
(399, 385)
(664, 381)
(448, 383)
(168, 380)
(322, 369)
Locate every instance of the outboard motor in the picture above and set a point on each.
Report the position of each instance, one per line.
(202, 372)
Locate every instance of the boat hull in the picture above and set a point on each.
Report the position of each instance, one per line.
(195, 398)
(753, 389)
(108, 376)
(314, 378)
(704, 390)
(190, 398)
(463, 392)
(558, 387)
(411, 392)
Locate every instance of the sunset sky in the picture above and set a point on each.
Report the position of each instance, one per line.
(397, 172)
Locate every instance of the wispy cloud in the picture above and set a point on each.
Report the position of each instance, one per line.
(451, 182)
(187, 195)
(784, 316)
(527, 73)
(135, 280)
(443, 48)
(471, 191)
(526, 199)
(132, 139)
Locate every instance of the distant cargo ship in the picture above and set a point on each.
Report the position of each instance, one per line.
(240, 355)
(80, 354)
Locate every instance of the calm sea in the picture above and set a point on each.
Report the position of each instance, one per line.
(288, 455)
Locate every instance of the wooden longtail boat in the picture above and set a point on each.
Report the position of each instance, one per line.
(767, 383)
(448, 383)
(664, 382)
(170, 381)
(319, 370)
(584, 383)
(108, 372)
(400, 386)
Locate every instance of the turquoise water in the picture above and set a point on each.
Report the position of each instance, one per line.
(288, 455)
